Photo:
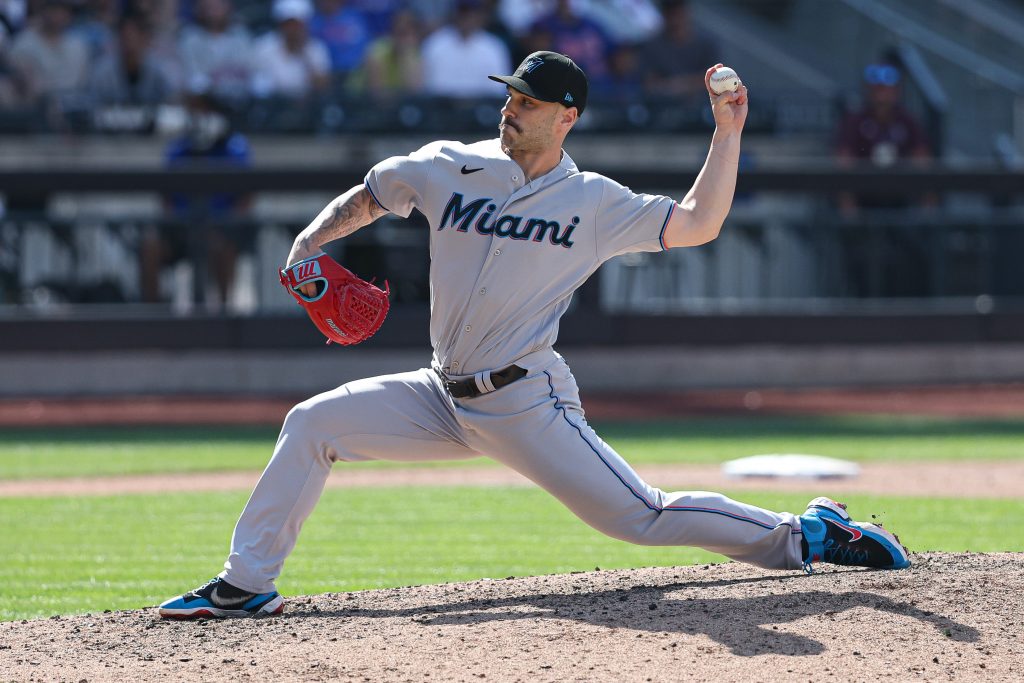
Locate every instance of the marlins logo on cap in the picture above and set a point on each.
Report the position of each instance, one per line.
(531, 64)
(549, 77)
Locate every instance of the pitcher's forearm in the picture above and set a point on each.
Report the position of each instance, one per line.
(711, 196)
(342, 217)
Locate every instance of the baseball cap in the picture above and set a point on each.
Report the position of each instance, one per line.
(881, 74)
(549, 77)
(284, 10)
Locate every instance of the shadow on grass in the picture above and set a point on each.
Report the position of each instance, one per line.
(745, 625)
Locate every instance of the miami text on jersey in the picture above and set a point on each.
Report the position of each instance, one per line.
(461, 217)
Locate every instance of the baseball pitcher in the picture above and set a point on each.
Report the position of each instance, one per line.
(515, 229)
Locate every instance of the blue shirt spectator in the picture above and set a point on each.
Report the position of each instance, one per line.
(580, 38)
(345, 31)
(624, 81)
(208, 139)
(378, 14)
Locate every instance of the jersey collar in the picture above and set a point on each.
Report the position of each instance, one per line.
(566, 166)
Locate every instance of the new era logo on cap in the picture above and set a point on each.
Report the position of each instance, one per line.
(549, 77)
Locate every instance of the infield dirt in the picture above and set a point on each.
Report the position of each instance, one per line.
(949, 617)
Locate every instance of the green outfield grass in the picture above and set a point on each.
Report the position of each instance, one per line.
(91, 452)
(72, 555)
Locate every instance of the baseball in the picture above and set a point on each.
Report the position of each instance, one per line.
(724, 80)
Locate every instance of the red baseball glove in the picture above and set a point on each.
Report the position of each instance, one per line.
(345, 308)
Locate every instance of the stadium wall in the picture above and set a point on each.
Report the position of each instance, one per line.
(285, 355)
(269, 373)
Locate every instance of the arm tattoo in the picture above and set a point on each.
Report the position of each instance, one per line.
(346, 214)
(342, 217)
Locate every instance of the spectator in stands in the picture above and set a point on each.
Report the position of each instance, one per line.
(345, 31)
(12, 19)
(885, 257)
(458, 58)
(623, 21)
(96, 24)
(201, 226)
(217, 51)
(578, 37)
(287, 61)
(677, 58)
(520, 15)
(624, 82)
(537, 39)
(882, 132)
(499, 30)
(433, 14)
(46, 57)
(12, 16)
(162, 18)
(394, 65)
(132, 75)
(379, 14)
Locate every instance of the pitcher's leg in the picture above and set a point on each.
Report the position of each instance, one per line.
(555, 447)
(396, 417)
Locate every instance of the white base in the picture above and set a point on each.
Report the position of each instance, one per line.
(790, 465)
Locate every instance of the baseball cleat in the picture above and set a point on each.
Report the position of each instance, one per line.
(830, 535)
(218, 598)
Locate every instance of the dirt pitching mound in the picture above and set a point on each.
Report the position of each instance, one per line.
(948, 617)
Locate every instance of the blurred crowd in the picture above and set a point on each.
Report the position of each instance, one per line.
(215, 62)
(95, 53)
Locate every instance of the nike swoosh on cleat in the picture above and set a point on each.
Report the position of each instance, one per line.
(467, 171)
(225, 603)
(855, 533)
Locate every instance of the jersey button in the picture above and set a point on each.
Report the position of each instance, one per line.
(497, 252)
(483, 290)
(469, 328)
(515, 177)
(455, 365)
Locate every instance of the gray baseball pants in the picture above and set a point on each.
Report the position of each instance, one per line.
(535, 426)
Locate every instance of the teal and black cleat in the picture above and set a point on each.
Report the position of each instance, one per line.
(218, 598)
(830, 535)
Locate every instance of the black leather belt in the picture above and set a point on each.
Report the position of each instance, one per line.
(467, 388)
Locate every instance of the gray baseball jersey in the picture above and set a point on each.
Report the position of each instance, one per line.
(506, 256)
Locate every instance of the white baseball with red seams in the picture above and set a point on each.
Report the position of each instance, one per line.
(724, 80)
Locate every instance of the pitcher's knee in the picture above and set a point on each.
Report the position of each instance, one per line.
(306, 430)
(322, 414)
(631, 528)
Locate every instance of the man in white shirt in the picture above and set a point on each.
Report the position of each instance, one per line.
(46, 57)
(217, 50)
(458, 58)
(287, 61)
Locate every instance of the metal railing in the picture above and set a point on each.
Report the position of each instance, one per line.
(784, 246)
